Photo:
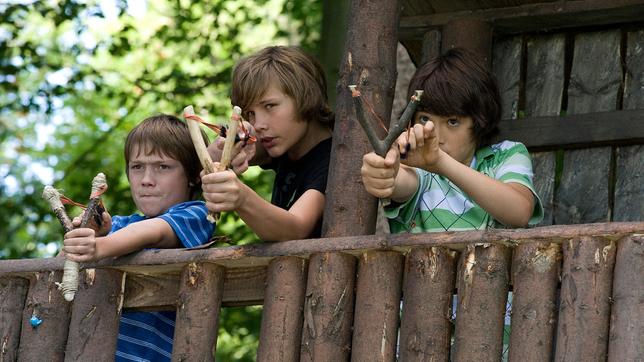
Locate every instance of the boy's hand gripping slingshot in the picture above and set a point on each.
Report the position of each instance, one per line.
(396, 128)
(69, 284)
(204, 157)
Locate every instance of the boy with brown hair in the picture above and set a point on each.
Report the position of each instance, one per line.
(451, 177)
(282, 93)
(163, 170)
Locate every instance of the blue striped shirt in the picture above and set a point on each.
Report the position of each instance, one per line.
(147, 336)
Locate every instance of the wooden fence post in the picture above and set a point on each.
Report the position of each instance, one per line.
(46, 303)
(13, 291)
(426, 326)
(377, 310)
(482, 294)
(96, 312)
(281, 330)
(197, 322)
(627, 316)
(584, 311)
(535, 275)
(328, 307)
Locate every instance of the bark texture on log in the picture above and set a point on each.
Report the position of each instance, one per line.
(426, 326)
(197, 323)
(96, 312)
(369, 62)
(328, 308)
(282, 315)
(535, 276)
(377, 310)
(483, 279)
(44, 302)
(12, 301)
(584, 306)
(627, 314)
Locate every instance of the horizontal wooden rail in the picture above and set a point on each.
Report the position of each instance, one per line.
(576, 130)
(250, 256)
(533, 17)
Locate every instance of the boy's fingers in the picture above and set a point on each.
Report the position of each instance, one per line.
(391, 157)
(429, 130)
(418, 131)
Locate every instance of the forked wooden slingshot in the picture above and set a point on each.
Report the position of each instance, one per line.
(396, 128)
(69, 285)
(202, 151)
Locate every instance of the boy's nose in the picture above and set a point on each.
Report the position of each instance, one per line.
(148, 177)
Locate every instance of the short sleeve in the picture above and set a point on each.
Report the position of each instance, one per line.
(515, 165)
(189, 222)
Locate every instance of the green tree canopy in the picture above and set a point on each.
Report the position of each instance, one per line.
(76, 76)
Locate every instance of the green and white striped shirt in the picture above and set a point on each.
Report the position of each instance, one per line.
(439, 205)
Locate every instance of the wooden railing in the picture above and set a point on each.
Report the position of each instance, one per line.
(577, 295)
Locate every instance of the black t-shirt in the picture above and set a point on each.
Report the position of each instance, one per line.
(293, 178)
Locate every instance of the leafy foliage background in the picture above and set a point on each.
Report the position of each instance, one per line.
(76, 76)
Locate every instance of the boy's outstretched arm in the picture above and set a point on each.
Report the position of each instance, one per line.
(386, 178)
(81, 245)
(223, 191)
(510, 203)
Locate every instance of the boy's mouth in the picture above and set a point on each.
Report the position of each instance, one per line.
(268, 142)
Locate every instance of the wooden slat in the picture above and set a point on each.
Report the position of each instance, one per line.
(197, 322)
(377, 306)
(13, 291)
(282, 314)
(576, 130)
(629, 173)
(533, 17)
(584, 311)
(159, 291)
(544, 90)
(96, 312)
(627, 312)
(535, 276)
(148, 261)
(328, 308)
(426, 326)
(506, 66)
(46, 302)
(595, 79)
(483, 280)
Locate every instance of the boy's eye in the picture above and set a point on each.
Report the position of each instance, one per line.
(135, 167)
(164, 167)
(269, 105)
(423, 119)
(453, 122)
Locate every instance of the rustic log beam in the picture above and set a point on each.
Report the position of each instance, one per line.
(282, 314)
(576, 130)
(96, 313)
(328, 308)
(483, 280)
(13, 291)
(533, 17)
(377, 310)
(426, 326)
(45, 319)
(535, 276)
(585, 299)
(627, 319)
(171, 260)
(198, 305)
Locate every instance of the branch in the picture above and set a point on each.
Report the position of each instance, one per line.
(382, 146)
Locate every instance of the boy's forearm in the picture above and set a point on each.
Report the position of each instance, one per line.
(152, 233)
(510, 205)
(405, 184)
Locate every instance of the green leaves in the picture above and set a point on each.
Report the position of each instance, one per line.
(75, 77)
